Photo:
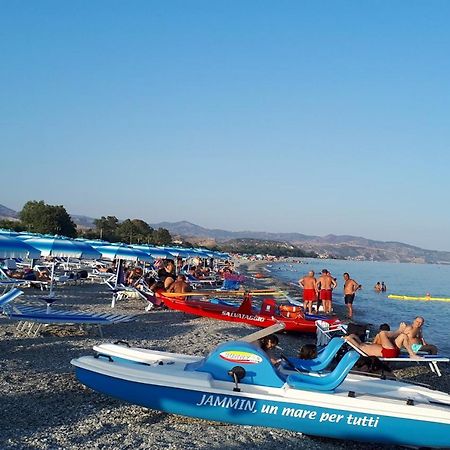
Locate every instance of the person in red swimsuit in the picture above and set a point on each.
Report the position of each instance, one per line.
(308, 284)
(326, 283)
(387, 344)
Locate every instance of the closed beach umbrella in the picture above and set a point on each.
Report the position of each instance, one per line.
(15, 248)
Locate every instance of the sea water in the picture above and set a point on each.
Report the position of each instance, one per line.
(375, 307)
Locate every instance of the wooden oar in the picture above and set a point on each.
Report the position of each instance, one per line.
(219, 293)
(264, 332)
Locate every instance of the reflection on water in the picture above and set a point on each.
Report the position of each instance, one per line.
(376, 308)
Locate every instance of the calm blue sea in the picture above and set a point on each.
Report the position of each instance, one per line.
(376, 308)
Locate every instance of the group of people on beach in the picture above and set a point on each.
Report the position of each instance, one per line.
(320, 291)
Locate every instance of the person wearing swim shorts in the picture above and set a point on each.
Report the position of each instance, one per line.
(308, 284)
(415, 334)
(350, 288)
(388, 344)
(326, 283)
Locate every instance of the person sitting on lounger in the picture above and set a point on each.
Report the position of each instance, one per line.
(387, 345)
(180, 285)
(415, 334)
(134, 275)
(42, 274)
(166, 276)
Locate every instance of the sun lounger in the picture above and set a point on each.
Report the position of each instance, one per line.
(431, 360)
(32, 318)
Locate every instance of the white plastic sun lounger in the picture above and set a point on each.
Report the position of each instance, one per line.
(32, 318)
(431, 360)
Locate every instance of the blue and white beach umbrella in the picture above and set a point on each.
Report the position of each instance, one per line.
(8, 233)
(15, 248)
(65, 248)
(123, 252)
(154, 252)
(62, 248)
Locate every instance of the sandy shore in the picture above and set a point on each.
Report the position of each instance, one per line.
(44, 407)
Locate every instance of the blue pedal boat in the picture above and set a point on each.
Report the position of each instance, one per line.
(236, 383)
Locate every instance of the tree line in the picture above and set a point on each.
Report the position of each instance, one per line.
(38, 217)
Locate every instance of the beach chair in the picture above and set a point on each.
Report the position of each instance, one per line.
(32, 318)
(431, 360)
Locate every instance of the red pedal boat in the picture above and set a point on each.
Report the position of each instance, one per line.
(270, 313)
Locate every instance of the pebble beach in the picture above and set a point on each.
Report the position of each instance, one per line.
(43, 406)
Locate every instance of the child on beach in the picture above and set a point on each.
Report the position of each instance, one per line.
(268, 344)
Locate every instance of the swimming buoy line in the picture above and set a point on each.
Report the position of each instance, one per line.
(422, 298)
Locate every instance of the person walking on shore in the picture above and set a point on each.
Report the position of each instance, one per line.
(326, 283)
(308, 284)
(350, 288)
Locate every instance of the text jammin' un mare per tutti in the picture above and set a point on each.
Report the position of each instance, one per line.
(242, 404)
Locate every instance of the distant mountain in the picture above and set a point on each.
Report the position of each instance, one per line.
(8, 213)
(185, 228)
(83, 221)
(330, 246)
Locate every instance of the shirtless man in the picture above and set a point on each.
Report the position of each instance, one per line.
(308, 284)
(388, 343)
(350, 287)
(418, 343)
(180, 285)
(326, 283)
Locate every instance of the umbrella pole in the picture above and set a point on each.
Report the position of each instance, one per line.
(119, 267)
(51, 279)
(116, 283)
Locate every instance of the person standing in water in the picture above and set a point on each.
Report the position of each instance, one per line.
(350, 288)
(308, 284)
(326, 283)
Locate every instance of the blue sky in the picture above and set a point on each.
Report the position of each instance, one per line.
(315, 117)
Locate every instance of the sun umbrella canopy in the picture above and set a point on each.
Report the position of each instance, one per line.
(24, 236)
(8, 233)
(15, 248)
(155, 252)
(94, 242)
(66, 248)
(123, 252)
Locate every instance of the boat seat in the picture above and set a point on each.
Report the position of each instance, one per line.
(327, 382)
(323, 359)
(258, 368)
